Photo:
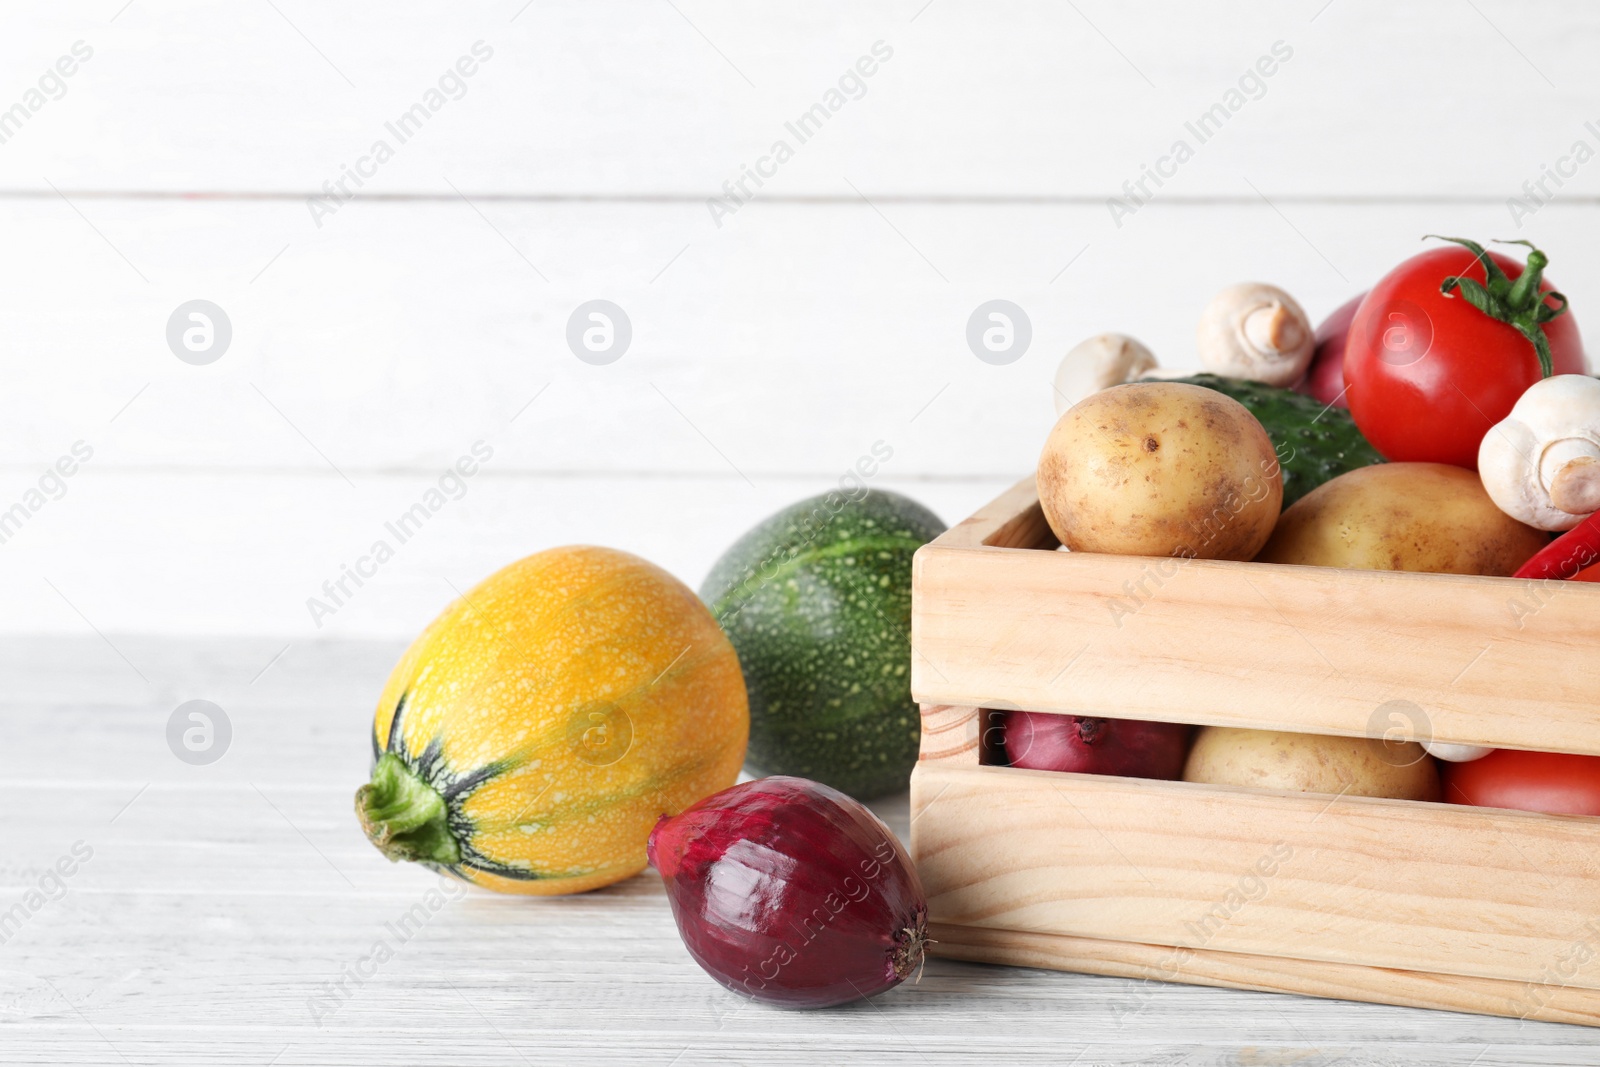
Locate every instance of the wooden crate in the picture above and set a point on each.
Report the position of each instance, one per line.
(1401, 902)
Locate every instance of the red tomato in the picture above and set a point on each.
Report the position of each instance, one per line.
(1429, 374)
(1551, 782)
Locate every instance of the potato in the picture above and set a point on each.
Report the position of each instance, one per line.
(1160, 469)
(1403, 517)
(1312, 763)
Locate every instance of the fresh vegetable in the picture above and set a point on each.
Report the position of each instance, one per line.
(1575, 554)
(817, 601)
(1403, 517)
(1325, 379)
(1256, 332)
(530, 738)
(1444, 345)
(1552, 782)
(1098, 363)
(1248, 332)
(1042, 741)
(792, 893)
(1541, 464)
(1314, 443)
(1312, 763)
(1160, 469)
(1454, 753)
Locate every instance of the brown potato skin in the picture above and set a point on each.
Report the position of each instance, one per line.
(1403, 517)
(1312, 763)
(1161, 469)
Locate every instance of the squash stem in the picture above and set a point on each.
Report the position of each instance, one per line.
(404, 816)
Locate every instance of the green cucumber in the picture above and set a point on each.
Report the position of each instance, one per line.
(817, 602)
(1315, 442)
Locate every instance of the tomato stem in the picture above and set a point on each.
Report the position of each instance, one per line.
(1519, 304)
(1525, 289)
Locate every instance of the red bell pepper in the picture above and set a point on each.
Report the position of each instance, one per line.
(1568, 554)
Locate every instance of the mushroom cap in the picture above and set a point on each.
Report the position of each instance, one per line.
(1454, 753)
(1101, 361)
(1256, 331)
(1554, 424)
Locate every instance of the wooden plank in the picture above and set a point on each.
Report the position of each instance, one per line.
(1353, 880)
(1489, 661)
(256, 548)
(609, 97)
(361, 343)
(1268, 974)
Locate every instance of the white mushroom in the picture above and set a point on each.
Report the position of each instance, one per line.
(1453, 753)
(1541, 465)
(1256, 331)
(1102, 361)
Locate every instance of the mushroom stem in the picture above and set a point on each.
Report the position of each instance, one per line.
(1575, 484)
(1272, 328)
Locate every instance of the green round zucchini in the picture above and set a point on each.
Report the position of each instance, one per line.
(817, 602)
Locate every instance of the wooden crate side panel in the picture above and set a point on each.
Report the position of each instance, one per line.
(1314, 649)
(1551, 1002)
(1429, 887)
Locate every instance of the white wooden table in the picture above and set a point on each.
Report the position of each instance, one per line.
(223, 903)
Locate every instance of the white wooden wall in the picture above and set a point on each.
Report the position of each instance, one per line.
(769, 352)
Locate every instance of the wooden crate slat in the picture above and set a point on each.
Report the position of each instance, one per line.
(1356, 880)
(1315, 649)
(1269, 974)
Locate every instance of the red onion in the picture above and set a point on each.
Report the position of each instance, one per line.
(1043, 741)
(1325, 378)
(790, 892)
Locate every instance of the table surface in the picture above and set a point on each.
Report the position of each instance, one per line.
(232, 913)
